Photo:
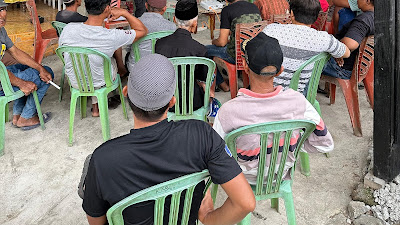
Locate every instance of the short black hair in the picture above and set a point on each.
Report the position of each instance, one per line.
(305, 11)
(96, 7)
(153, 9)
(149, 116)
(69, 3)
(230, 1)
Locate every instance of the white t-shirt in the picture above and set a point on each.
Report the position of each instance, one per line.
(99, 38)
(299, 43)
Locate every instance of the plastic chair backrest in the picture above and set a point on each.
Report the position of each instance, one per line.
(31, 5)
(245, 31)
(169, 14)
(5, 81)
(319, 63)
(79, 57)
(158, 193)
(181, 64)
(153, 37)
(319, 24)
(365, 57)
(275, 136)
(59, 26)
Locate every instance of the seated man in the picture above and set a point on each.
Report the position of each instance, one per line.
(70, 14)
(345, 11)
(269, 8)
(238, 11)
(92, 34)
(265, 102)
(156, 151)
(300, 42)
(352, 35)
(181, 43)
(26, 76)
(154, 21)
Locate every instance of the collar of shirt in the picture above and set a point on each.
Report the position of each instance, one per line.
(152, 14)
(182, 31)
(151, 129)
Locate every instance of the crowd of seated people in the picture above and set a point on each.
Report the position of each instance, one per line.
(157, 150)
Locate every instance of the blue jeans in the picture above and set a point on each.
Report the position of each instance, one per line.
(25, 106)
(334, 70)
(220, 52)
(345, 16)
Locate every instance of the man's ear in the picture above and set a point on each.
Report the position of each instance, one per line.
(245, 66)
(125, 91)
(147, 6)
(280, 71)
(172, 102)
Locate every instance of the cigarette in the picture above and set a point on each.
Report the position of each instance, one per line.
(55, 85)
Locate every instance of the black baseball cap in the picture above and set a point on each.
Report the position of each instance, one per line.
(262, 51)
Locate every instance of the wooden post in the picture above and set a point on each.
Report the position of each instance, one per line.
(387, 90)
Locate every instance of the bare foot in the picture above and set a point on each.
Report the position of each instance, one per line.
(22, 122)
(95, 110)
(15, 119)
(224, 86)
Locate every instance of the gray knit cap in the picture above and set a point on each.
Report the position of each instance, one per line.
(151, 83)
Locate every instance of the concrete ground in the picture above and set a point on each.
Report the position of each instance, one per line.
(40, 173)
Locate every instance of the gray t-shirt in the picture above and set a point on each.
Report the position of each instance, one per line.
(154, 22)
(4, 40)
(99, 38)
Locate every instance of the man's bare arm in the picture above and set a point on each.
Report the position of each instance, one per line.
(240, 202)
(135, 23)
(26, 59)
(341, 3)
(97, 220)
(25, 86)
(223, 38)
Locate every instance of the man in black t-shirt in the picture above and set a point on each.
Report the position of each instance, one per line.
(238, 11)
(352, 34)
(70, 14)
(156, 151)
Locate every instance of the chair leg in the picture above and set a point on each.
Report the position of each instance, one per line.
(74, 100)
(275, 204)
(61, 84)
(233, 85)
(121, 96)
(305, 164)
(83, 105)
(214, 191)
(332, 94)
(103, 109)
(39, 110)
(2, 128)
(369, 85)
(40, 49)
(350, 92)
(6, 111)
(246, 220)
(289, 206)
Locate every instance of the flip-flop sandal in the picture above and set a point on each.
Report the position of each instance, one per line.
(13, 125)
(46, 118)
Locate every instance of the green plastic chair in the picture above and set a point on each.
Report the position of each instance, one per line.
(319, 62)
(153, 37)
(11, 95)
(158, 193)
(186, 112)
(59, 26)
(80, 63)
(169, 14)
(274, 187)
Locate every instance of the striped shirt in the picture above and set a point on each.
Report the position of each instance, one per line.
(250, 108)
(299, 43)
